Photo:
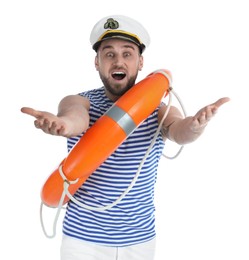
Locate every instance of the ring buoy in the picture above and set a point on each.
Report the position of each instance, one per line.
(104, 137)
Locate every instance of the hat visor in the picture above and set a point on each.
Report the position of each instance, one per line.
(122, 36)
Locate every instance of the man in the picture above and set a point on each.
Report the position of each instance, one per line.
(127, 230)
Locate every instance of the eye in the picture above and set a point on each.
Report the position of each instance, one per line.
(110, 55)
(127, 54)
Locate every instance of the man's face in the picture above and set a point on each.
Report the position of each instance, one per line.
(118, 62)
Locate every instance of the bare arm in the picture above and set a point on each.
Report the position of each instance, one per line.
(72, 118)
(185, 130)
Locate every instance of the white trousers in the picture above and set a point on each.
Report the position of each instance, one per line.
(76, 249)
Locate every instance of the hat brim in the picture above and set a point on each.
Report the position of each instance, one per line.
(119, 35)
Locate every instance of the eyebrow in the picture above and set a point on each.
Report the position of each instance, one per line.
(126, 46)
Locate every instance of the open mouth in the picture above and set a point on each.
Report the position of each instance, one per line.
(118, 75)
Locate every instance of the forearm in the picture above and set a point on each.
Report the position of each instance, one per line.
(184, 131)
(73, 110)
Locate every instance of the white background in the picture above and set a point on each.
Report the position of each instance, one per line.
(45, 54)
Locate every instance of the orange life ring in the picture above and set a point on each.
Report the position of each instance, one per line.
(108, 132)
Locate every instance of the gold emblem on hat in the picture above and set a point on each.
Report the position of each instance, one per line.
(111, 24)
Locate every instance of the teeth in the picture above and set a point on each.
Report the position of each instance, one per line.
(118, 75)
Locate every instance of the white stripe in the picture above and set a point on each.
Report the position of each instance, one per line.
(132, 220)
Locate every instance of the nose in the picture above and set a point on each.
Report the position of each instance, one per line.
(118, 61)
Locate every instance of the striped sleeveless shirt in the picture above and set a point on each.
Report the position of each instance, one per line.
(132, 220)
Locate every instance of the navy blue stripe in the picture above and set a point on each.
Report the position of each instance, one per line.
(132, 220)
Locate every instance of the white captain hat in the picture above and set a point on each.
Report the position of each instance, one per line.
(122, 27)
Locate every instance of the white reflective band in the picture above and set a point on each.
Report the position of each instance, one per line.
(122, 118)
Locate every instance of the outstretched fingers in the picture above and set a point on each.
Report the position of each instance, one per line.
(47, 122)
(56, 129)
(202, 117)
(32, 112)
(220, 102)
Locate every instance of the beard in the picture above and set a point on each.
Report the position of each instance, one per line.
(117, 89)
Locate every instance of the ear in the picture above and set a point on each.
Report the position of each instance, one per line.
(141, 63)
(96, 62)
